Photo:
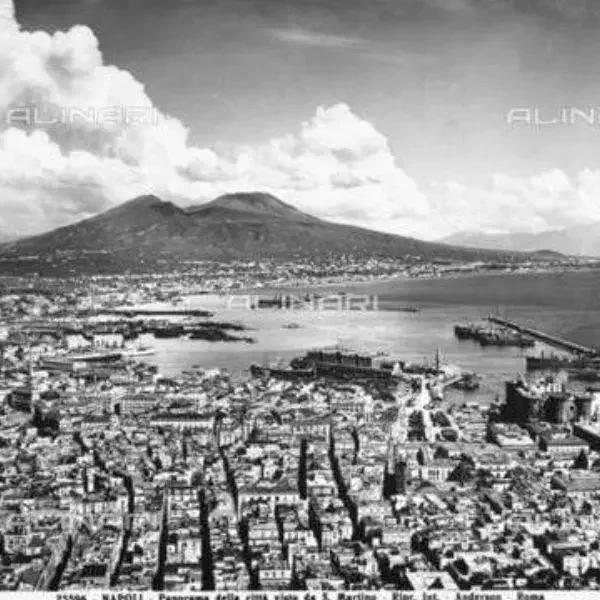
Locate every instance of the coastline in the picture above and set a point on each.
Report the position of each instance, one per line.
(348, 283)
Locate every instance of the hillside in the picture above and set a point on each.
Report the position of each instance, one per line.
(582, 240)
(147, 233)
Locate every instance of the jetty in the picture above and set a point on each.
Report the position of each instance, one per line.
(157, 312)
(542, 336)
(448, 383)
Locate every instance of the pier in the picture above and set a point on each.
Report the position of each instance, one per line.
(448, 383)
(544, 337)
(157, 312)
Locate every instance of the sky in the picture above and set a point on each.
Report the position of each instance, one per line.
(417, 117)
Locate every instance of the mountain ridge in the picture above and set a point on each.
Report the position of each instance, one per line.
(579, 240)
(147, 233)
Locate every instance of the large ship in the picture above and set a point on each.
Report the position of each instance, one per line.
(288, 373)
(493, 336)
(80, 361)
(95, 357)
(336, 363)
(505, 338)
(555, 362)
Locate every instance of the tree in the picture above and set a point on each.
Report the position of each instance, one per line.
(441, 452)
(463, 473)
(582, 462)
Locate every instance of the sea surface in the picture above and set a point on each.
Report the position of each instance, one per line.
(564, 304)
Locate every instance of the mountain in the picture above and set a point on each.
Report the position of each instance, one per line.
(251, 203)
(583, 240)
(147, 234)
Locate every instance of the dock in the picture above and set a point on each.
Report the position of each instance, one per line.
(448, 383)
(158, 312)
(542, 336)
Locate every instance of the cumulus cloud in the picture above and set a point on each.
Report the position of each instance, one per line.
(67, 151)
(98, 140)
(338, 166)
(41, 186)
(545, 201)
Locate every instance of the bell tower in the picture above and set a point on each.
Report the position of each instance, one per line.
(34, 393)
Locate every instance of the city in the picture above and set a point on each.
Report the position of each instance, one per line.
(299, 299)
(356, 475)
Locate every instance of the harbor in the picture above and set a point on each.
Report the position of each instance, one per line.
(542, 336)
(298, 301)
(493, 336)
(391, 400)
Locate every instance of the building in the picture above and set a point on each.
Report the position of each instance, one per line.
(563, 444)
(545, 400)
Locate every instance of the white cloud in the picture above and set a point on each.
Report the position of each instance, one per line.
(337, 165)
(306, 37)
(43, 187)
(548, 200)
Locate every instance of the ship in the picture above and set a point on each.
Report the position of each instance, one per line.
(555, 362)
(79, 362)
(464, 332)
(215, 334)
(94, 357)
(504, 338)
(170, 331)
(348, 365)
(408, 309)
(336, 363)
(493, 336)
(139, 351)
(288, 373)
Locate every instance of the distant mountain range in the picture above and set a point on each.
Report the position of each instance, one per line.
(149, 234)
(582, 240)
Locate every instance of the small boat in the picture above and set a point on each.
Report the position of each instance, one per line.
(464, 332)
(139, 351)
(409, 309)
(469, 382)
(174, 331)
